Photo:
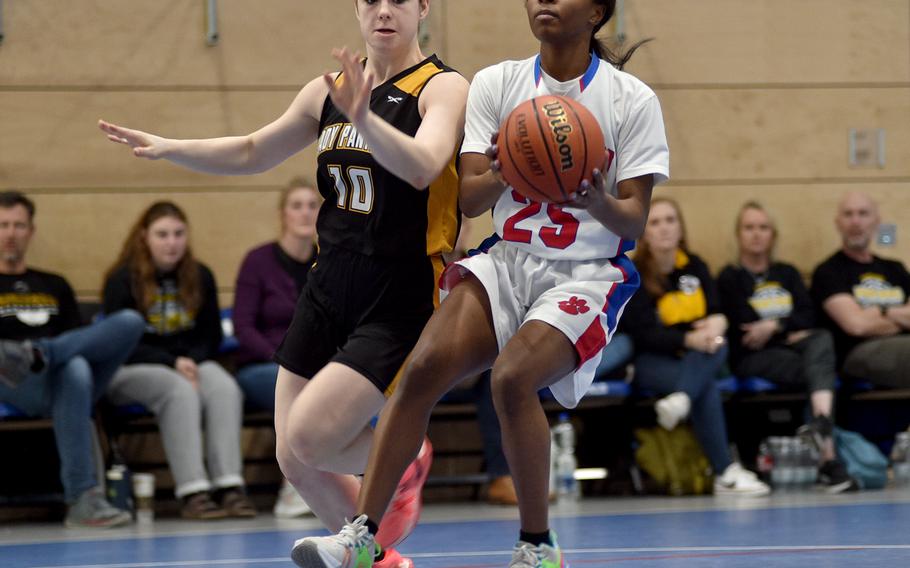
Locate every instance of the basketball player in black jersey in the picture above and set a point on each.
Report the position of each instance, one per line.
(387, 131)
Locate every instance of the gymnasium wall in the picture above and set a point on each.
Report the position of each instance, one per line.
(758, 97)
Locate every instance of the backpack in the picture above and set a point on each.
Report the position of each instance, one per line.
(674, 459)
(864, 461)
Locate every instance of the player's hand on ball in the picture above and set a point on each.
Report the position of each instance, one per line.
(591, 196)
(492, 152)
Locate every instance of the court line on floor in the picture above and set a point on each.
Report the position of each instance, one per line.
(308, 526)
(699, 551)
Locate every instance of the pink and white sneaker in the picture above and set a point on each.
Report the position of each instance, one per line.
(404, 511)
(393, 559)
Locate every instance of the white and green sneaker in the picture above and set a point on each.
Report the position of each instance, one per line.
(353, 547)
(526, 555)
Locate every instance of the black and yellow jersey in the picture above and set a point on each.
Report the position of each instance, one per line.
(369, 210)
(659, 324)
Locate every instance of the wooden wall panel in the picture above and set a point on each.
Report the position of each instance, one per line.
(80, 234)
(805, 216)
(770, 134)
(771, 41)
(758, 98)
(111, 42)
(50, 139)
(480, 33)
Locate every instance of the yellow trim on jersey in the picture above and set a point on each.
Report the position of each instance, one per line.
(438, 267)
(415, 81)
(442, 211)
(682, 259)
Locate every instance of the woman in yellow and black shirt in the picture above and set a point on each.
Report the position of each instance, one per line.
(678, 331)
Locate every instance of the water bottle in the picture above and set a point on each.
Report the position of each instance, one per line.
(900, 459)
(120, 487)
(807, 463)
(765, 460)
(567, 488)
(776, 444)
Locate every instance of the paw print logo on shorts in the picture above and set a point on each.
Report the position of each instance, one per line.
(574, 306)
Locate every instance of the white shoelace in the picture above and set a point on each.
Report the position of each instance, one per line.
(354, 533)
(525, 555)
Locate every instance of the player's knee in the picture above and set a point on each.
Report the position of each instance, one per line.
(291, 467)
(510, 385)
(422, 372)
(310, 446)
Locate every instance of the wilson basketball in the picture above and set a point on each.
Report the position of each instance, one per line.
(547, 146)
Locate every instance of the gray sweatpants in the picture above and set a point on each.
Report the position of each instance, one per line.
(884, 362)
(184, 413)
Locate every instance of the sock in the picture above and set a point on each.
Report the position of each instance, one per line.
(371, 526)
(535, 538)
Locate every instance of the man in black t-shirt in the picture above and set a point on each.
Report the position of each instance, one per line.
(50, 366)
(863, 300)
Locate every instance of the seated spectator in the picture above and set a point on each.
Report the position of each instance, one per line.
(268, 284)
(863, 300)
(771, 332)
(675, 322)
(615, 358)
(172, 371)
(52, 367)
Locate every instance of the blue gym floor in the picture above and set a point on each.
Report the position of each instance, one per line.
(801, 529)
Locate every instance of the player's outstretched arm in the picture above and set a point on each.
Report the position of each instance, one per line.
(233, 155)
(419, 159)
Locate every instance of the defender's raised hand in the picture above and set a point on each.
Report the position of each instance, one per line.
(144, 145)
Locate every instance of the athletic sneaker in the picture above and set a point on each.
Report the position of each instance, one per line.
(393, 559)
(403, 513)
(353, 547)
(289, 503)
(526, 555)
(672, 409)
(816, 431)
(833, 475)
(736, 480)
(16, 360)
(92, 510)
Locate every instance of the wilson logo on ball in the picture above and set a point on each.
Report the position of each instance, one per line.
(559, 124)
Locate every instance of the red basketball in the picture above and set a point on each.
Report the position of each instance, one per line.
(548, 145)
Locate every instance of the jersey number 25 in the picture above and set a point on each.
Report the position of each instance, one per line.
(560, 237)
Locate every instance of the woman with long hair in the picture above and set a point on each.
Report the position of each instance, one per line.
(387, 129)
(172, 371)
(678, 329)
(269, 282)
(535, 308)
(772, 333)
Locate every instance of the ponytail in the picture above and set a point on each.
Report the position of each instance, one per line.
(599, 48)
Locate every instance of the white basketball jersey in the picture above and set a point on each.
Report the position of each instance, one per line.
(629, 115)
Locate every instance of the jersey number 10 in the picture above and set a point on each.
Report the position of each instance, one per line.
(359, 198)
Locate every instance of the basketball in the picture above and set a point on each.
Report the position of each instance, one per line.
(547, 146)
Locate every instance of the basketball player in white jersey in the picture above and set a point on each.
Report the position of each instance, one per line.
(544, 297)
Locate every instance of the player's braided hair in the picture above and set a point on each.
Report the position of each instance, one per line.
(600, 48)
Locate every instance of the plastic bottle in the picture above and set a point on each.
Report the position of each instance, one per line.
(900, 459)
(567, 487)
(765, 460)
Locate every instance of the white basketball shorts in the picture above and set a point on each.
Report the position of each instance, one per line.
(582, 299)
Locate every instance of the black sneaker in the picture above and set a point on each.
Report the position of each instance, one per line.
(16, 361)
(816, 431)
(833, 475)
